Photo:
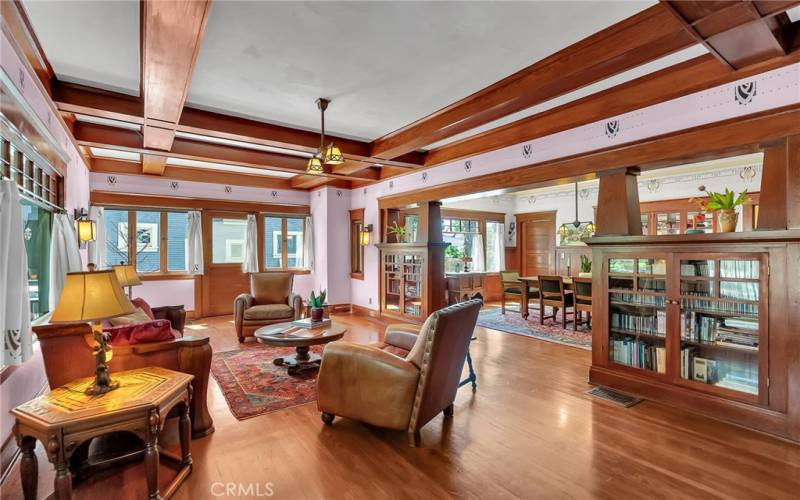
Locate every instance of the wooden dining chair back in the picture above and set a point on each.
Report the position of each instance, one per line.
(582, 288)
(553, 294)
(512, 288)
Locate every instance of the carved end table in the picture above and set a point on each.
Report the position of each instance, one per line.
(67, 417)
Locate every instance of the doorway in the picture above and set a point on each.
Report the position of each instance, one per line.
(224, 239)
(537, 238)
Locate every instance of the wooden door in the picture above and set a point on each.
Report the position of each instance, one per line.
(537, 237)
(222, 280)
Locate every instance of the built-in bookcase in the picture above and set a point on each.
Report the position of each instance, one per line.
(403, 290)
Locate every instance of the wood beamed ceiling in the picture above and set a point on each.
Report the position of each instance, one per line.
(743, 38)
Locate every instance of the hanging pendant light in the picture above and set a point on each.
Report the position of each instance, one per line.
(565, 229)
(325, 155)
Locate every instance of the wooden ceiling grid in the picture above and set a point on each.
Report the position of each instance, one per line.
(743, 38)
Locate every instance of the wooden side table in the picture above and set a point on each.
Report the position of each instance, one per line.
(67, 417)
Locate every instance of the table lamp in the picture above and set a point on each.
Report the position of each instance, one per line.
(94, 296)
(127, 276)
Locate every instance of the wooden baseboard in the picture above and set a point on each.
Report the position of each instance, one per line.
(340, 308)
(364, 311)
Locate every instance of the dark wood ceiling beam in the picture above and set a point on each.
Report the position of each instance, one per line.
(180, 173)
(172, 33)
(83, 100)
(697, 74)
(653, 33)
(93, 135)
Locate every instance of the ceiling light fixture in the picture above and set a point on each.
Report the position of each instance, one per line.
(589, 227)
(330, 155)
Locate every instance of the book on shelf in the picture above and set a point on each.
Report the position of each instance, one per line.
(649, 324)
(696, 327)
(633, 352)
(634, 298)
(719, 307)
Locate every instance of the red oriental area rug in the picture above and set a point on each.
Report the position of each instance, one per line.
(253, 385)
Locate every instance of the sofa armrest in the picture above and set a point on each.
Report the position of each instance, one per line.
(365, 383)
(296, 302)
(175, 314)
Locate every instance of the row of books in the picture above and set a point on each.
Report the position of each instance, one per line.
(720, 307)
(632, 298)
(697, 268)
(694, 367)
(743, 378)
(632, 352)
(649, 324)
(729, 332)
(741, 290)
(652, 285)
(746, 269)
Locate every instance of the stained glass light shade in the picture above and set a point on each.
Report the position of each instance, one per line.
(333, 156)
(314, 165)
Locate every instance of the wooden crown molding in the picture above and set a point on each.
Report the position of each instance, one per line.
(141, 200)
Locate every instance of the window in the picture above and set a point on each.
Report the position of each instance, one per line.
(283, 242)
(494, 245)
(159, 239)
(460, 234)
(227, 240)
(356, 249)
(37, 221)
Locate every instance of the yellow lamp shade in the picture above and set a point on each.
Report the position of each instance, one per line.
(86, 230)
(332, 155)
(363, 238)
(127, 275)
(314, 165)
(91, 296)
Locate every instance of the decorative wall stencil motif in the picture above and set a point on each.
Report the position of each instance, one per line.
(468, 165)
(391, 184)
(745, 92)
(274, 194)
(531, 200)
(111, 180)
(174, 185)
(748, 173)
(365, 190)
(424, 176)
(339, 193)
(612, 128)
(228, 189)
(653, 185)
(584, 193)
(527, 151)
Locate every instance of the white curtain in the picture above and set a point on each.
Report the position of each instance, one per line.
(478, 254)
(250, 263)
(64, 254)
(97, 248)
(498, 244)
(308, 244)
(194, 242)
(15, 314)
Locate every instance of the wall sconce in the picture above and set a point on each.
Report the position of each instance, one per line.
(363, 236)
(86, 228)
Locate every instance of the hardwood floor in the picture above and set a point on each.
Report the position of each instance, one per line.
(528, 432)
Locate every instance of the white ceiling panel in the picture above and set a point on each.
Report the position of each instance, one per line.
(90, 42)
(383, 64)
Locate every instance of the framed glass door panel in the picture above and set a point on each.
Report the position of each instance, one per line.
(668, 222)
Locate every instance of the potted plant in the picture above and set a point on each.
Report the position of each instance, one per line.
(723, 205)
(586, 267)
(454, 253)
(317, 303)
(399, 232)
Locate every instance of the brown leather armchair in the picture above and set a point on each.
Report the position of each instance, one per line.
(369, 384)
(270, 301)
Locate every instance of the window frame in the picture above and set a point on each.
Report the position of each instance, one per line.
(284, 267)
(478, 216)
(356, 249)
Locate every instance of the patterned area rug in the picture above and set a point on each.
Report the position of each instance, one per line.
(512, 322)
(253, 385)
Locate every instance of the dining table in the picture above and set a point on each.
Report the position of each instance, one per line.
(529, 282)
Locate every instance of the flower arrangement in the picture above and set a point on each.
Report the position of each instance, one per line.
(723, 205)
(398, 231)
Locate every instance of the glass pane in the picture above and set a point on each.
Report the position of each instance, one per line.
(703, 268)
(652, 285)
(741, 290)
(494, 246)
(412, 224)
(294, 242)
(37, 234)
(148, 241)
(227, 240)
(668, 223)
(273, 242)
(446, 225)
(699, 288)
(745, 269)
(652, 266)
(645, 224)
(699, 221)
(177, 227)
(116, 222)
(620, 265)
(473, 226)
(455, 225)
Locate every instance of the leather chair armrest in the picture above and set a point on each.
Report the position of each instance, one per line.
(296, 302)
(175, 314)
(402, 335)
(243, 302)
(368, 384)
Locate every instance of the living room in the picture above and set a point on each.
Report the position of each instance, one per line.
(434, 264)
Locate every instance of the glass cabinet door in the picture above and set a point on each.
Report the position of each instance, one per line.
(721, 321)
(392, 282)
(637, 290)
(412, 284)
(668, 223)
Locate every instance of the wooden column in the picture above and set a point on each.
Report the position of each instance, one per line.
(779, 205)
(618, 211)
(437, 287)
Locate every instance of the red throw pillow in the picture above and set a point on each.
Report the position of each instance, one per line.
(143, 333)
(144, 306)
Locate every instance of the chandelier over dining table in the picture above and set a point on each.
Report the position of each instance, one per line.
(325, 155)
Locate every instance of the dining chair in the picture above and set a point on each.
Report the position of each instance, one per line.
(512, 287)
(552, 293)
(582, 288)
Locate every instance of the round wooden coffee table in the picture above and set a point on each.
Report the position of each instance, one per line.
(287, 335)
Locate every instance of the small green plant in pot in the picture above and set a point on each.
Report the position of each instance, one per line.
(316, 303)
(723, 205)
(399, 232)
(586, 267)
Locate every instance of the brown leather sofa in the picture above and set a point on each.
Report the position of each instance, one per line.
(67, 353)
(369, 384)
(270, 301)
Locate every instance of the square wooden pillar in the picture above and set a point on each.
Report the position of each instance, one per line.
(779, 205)
(618, 212)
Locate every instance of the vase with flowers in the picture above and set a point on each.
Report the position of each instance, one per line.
(400, 232)
(723, 206)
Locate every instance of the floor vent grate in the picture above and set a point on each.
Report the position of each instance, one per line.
(614, 396)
